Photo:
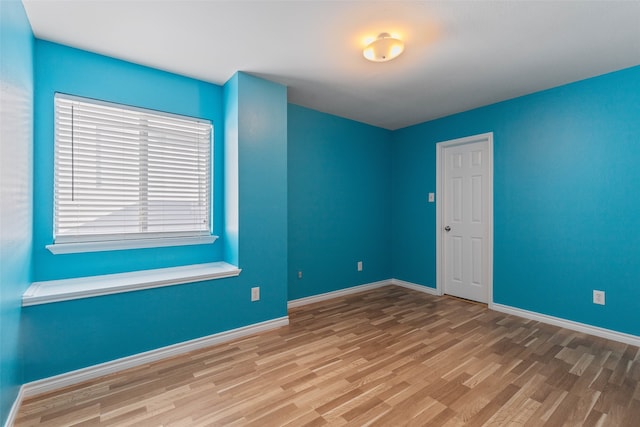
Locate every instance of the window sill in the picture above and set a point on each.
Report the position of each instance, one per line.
(87, 287)
(73, 248)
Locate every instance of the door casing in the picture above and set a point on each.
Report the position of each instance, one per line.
(440, 169)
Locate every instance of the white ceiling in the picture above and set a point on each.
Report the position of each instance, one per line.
(459, 54)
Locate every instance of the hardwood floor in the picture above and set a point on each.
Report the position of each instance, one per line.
(386, 357)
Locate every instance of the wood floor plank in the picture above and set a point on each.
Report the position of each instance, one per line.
(385, 357)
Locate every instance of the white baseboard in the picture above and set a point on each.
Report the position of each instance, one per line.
(415, 287)
(335, 294)
(569, 324)
(91, 372)
(13, 412)
(556, 321)
(360, 288)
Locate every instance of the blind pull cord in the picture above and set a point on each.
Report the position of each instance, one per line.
(73, 169)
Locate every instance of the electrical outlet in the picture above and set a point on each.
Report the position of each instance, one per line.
(300, 274)
(359, 265)
(255, 294)
(432, 197)
(598, 297)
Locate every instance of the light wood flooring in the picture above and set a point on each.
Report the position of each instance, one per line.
(387, 357)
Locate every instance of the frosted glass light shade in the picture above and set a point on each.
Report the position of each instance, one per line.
(384, 48)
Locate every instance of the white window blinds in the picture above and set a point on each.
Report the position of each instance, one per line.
(128, 173)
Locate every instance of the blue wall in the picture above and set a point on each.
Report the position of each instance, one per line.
(76, 72)
(231, 213)
(339, 211)
(565, 208)
(64, 336)
(262, 190)
(16, 207)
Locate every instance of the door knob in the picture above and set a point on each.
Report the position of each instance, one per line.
(447, 228)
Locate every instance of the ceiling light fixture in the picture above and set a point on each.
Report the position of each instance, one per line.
(384, 48)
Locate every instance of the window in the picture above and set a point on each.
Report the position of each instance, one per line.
(129, 175)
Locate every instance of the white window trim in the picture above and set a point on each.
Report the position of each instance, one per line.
(114, 245)
(67, 244)
(93, 286)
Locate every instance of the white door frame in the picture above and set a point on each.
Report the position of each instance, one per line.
(440, 148)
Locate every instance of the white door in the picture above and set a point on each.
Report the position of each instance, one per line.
(466, 217)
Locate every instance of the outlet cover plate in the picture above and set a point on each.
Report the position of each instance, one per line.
(598, 297)
(255, 294)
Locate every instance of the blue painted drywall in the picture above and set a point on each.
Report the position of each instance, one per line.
(262, 189)
(67, 70)
(413, 219)
(231, 219)
(64, 336)
(16, 204)
(339, 211)
(565, 208)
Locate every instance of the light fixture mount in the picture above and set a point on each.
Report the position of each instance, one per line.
(384, 48)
